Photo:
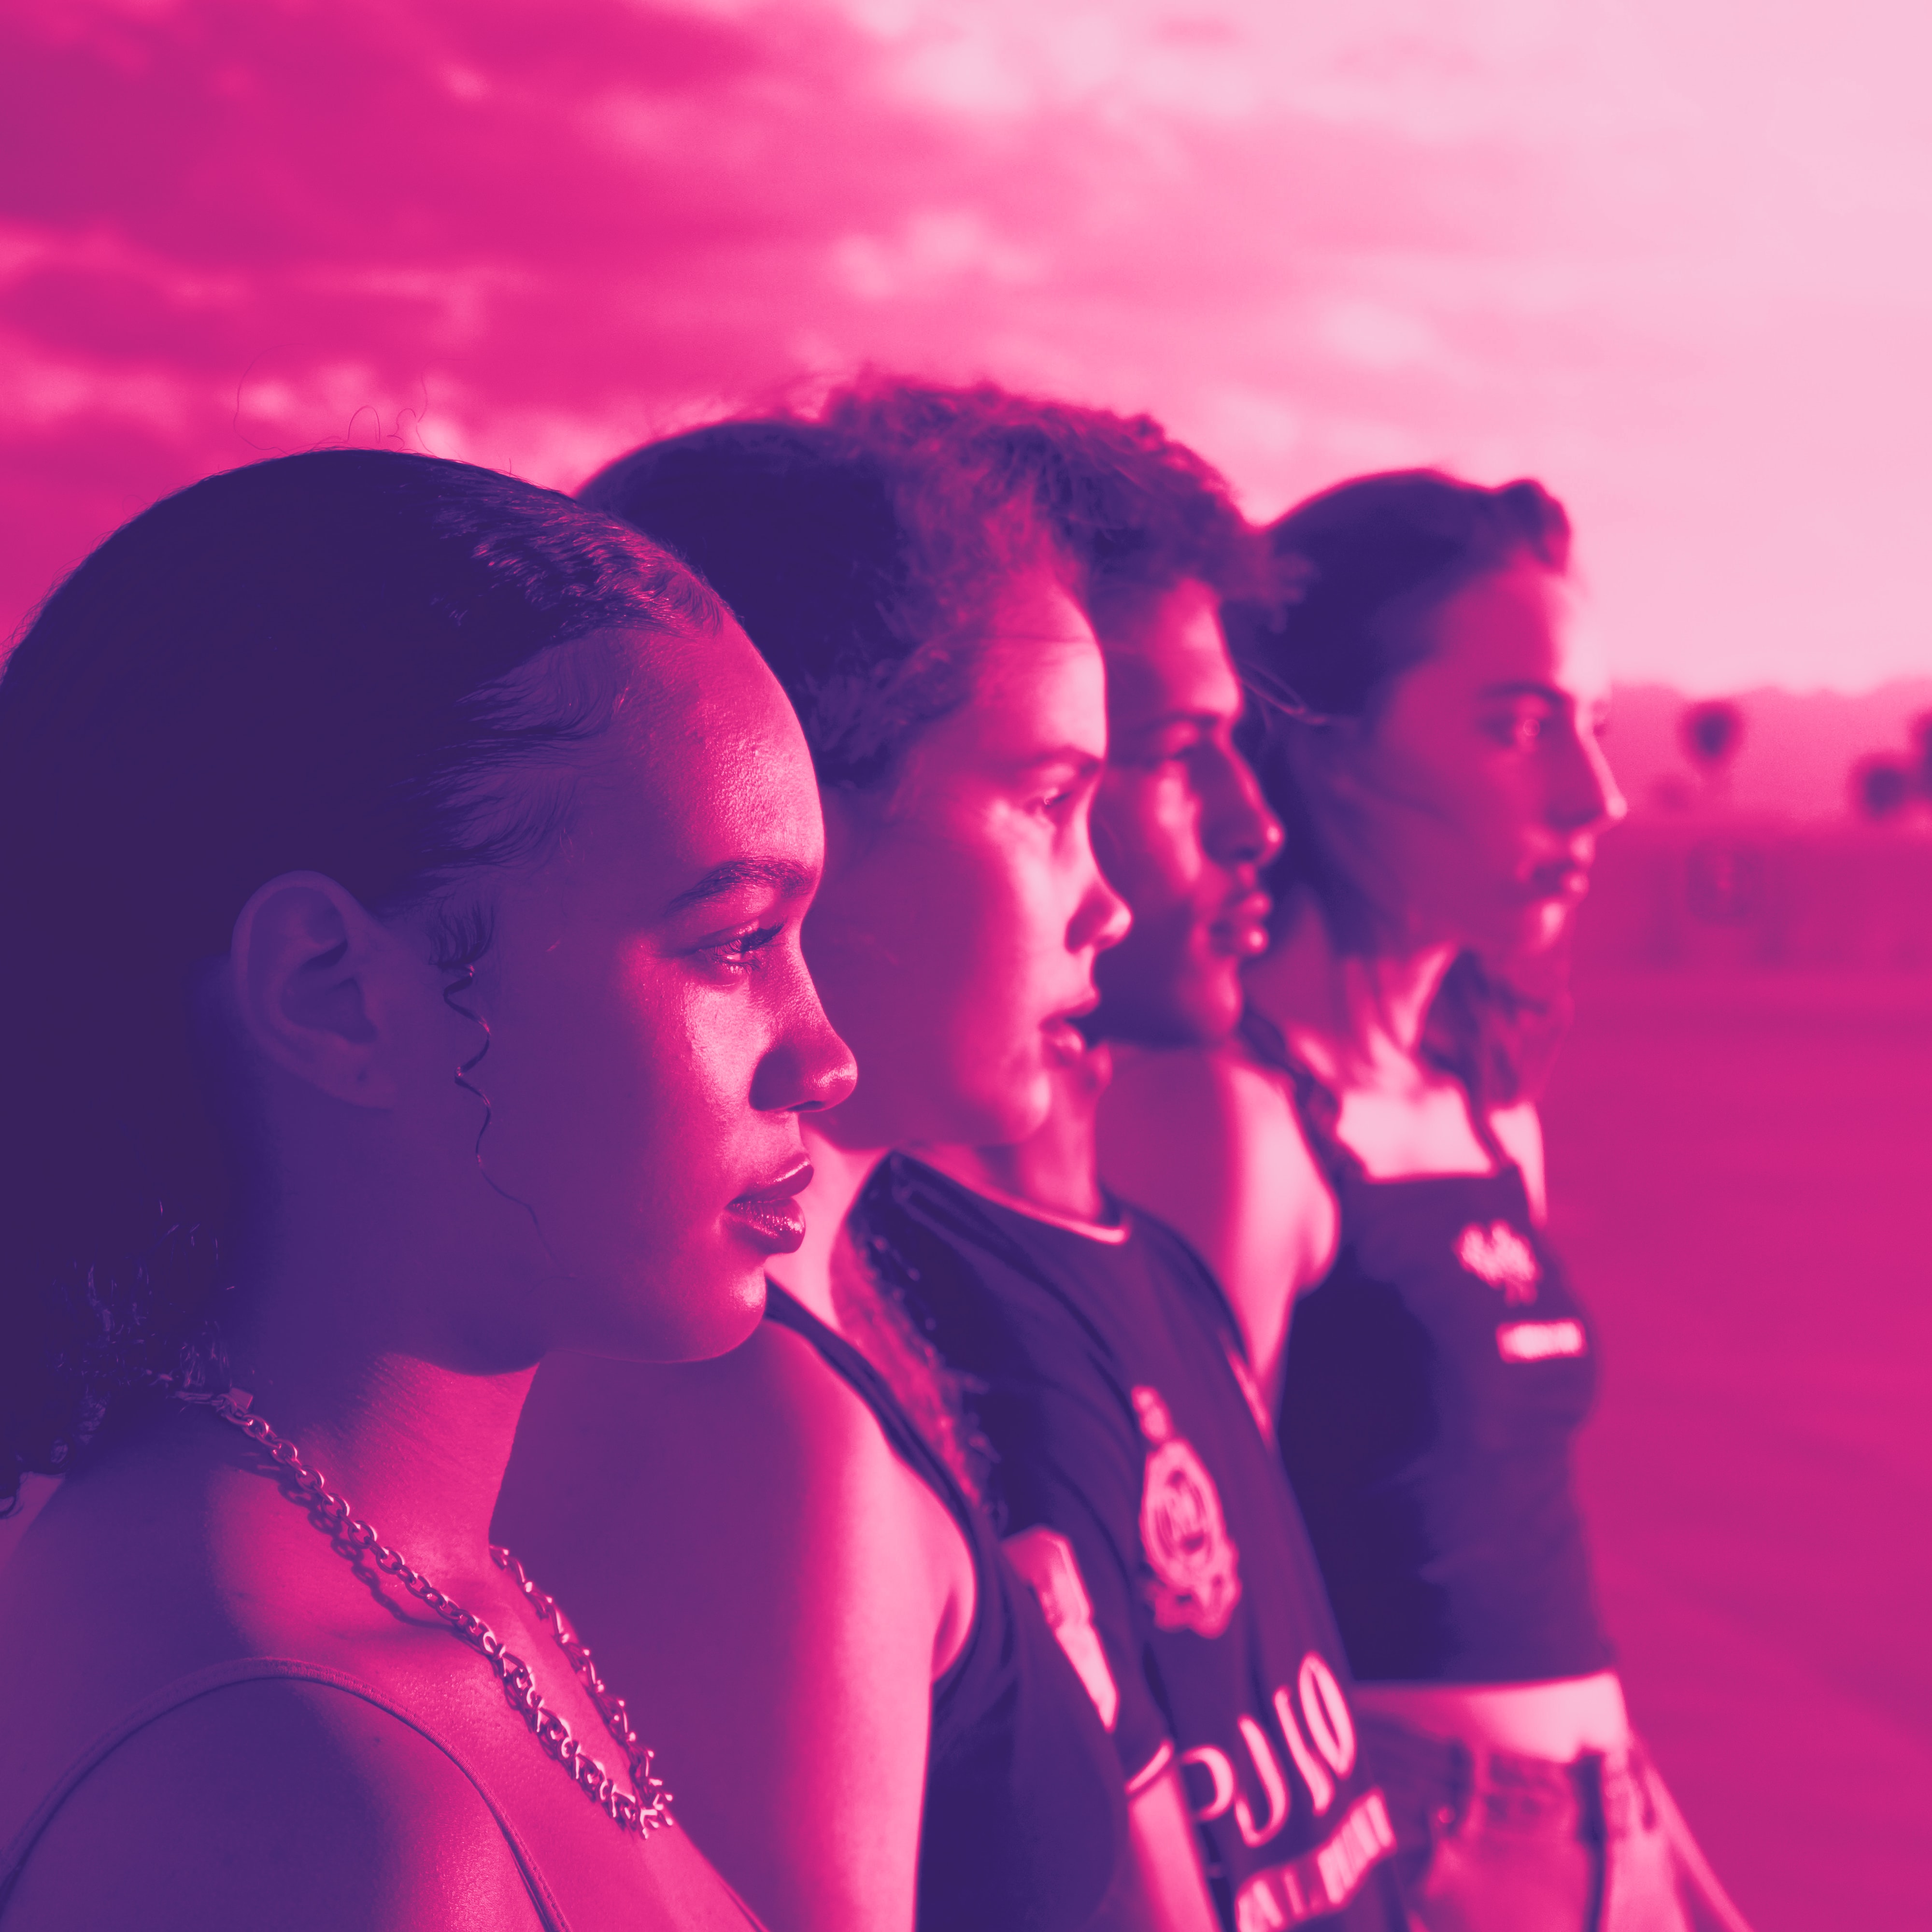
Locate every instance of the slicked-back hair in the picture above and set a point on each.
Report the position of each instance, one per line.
(334, 661)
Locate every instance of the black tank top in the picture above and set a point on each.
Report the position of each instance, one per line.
(1435, 1380)
(1025, 1820)
(1134, 1480)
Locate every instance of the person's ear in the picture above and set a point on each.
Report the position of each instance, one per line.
(316, 982)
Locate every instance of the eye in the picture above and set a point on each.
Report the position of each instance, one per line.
(1155, 757)
(743, 951)
(1519, 730)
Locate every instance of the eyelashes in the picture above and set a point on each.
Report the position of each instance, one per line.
(741, 952)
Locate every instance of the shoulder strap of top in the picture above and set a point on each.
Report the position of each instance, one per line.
(252, 1669)
(877, 1393)
(1316, 1105)
(1320, 1112)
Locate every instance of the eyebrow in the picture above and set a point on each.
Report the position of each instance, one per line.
(1525, 687)
(1205, 719)
(790, 880)
(1077, 755)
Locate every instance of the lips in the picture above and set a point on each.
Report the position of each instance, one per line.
(1241, 931)
(1066, 1044)
(770, 1217)
(1561, 879)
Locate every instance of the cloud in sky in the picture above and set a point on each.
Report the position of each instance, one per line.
(1674, 256)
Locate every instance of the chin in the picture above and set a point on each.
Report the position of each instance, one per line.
(1015, 1114)
(1547, 925)
(688, 1322)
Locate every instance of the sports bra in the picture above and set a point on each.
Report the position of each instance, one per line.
(1435, 1381)
(1024, 1822)
(249, 1670)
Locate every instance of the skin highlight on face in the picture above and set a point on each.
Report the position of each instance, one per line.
(653, 1032)
(1466, 808)
(1179, 826)
(955, 936)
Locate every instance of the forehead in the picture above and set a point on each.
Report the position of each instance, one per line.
(1038, 682)
(1516, 626)
(707, 763)
(1171, 660)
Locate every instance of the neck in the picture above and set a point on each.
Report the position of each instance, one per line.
(365, 1346)
(1351, 1013)
(418, 1449)
(838, 1174)
(1057, 1167)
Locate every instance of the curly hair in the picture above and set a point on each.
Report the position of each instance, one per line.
(866, 574)
(1136, 511)
(1356, 570)
(333, 661)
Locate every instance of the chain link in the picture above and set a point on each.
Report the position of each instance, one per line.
(644, 1810)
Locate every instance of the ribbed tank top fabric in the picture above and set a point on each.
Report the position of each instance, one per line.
(255, 1670)
(1435, 1381)
(1024, 1818)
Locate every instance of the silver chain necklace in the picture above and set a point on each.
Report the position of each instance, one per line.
(643, 1811)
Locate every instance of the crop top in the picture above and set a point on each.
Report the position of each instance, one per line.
(1435, 1380)
(1135, 1482)
(1024, 1822)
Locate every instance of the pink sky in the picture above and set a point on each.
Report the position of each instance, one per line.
(1673, 256)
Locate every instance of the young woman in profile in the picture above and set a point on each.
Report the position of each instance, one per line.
(874, 1725)
(404, 868)
(1431, 747)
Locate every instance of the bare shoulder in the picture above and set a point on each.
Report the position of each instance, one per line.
(278, 1803)
(1519, 1131)
(759, 1427)
(751, 1488)
(773, 1588)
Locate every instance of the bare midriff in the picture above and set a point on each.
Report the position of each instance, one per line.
(1557, 1721)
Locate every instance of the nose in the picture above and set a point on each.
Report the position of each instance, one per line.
(1237, 827)
(1103, 917)
(808, 1068)
(1589, 799)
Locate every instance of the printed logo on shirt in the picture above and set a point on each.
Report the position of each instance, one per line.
(1321, 1881)
(1538, 1341)
(1499, 1255)
(1046, 1559)
(1196, 1577)
(1320, 1739)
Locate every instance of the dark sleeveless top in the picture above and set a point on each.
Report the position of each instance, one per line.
(1024, 1821)
(1435, 1379)
(1135, 1481)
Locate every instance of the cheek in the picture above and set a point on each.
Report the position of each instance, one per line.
(620, 1080)
(1146, 839)
(1457, 820)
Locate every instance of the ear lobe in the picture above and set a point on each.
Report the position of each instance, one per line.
(308, 966)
